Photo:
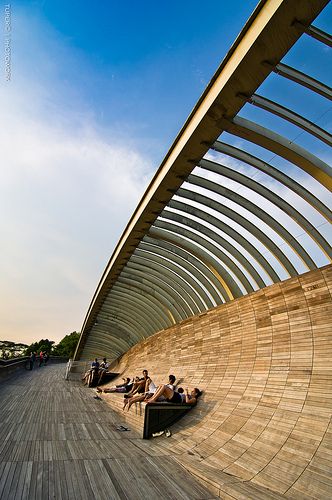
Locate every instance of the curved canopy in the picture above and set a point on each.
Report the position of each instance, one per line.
(236, 204)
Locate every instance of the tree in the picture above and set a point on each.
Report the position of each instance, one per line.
(11, 349)
(66, 347)
(44, 345)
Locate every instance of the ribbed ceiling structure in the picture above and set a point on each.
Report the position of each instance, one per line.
(242, 199)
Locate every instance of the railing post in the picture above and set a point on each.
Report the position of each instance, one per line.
(68, 367)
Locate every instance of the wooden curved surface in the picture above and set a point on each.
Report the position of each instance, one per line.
(264, 364)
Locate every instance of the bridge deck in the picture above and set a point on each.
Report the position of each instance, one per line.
(56, 441)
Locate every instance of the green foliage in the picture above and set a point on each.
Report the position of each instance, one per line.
(44, 345)
(10, 349)
(66, 347)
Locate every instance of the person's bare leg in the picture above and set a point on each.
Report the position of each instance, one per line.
(91, 378)
(108, 389)
(136, 399)
(133, 390)
(162, 390)
(85, 378)
(136, 387)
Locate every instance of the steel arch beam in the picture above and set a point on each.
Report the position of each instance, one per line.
(136, 334)
(106, 334)
(258, 212)
(303, 79)
(290, 116)
(135, 328)
(160, 270)
(240, 239)
(157, 287)
(319, 35)
(132, 320)
(211, 219)
(158, 316)
(179, 243)
(172, 308)
(126, 304)
(110, 342)
(199, 247)
(218, 253)
(154, 302)
(276, 200)
(193, 266)
(186, 279)
(273, 172)
(281, 146)
(160, 283)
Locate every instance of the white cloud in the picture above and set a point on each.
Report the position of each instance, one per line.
(67, 190)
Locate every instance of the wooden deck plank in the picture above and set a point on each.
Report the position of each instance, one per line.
(27, 481)
(66, 445)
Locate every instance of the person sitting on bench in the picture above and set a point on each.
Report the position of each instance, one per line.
(89, 375)
(139, 385)
(102, 369)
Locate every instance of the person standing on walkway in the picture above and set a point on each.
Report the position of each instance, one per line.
(32, 360)
(41, 358)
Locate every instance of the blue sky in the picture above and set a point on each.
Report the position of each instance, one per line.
(98, 92)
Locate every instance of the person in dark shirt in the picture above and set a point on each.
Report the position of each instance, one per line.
(89, 375)
(32, 360)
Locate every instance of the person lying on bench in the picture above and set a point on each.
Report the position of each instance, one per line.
(150, 389)
(175, 397)
(125, 387)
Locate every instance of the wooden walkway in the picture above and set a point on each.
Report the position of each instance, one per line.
(58, 442)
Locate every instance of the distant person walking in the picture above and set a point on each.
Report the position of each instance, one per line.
(41, 358)
(32, 360)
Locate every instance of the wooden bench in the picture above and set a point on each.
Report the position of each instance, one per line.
(147, 419)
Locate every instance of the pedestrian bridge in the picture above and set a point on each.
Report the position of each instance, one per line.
(223, 273)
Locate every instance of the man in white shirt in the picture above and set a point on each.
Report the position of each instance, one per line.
(103, 367)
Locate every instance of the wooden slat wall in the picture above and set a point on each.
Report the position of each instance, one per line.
(264, 364)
